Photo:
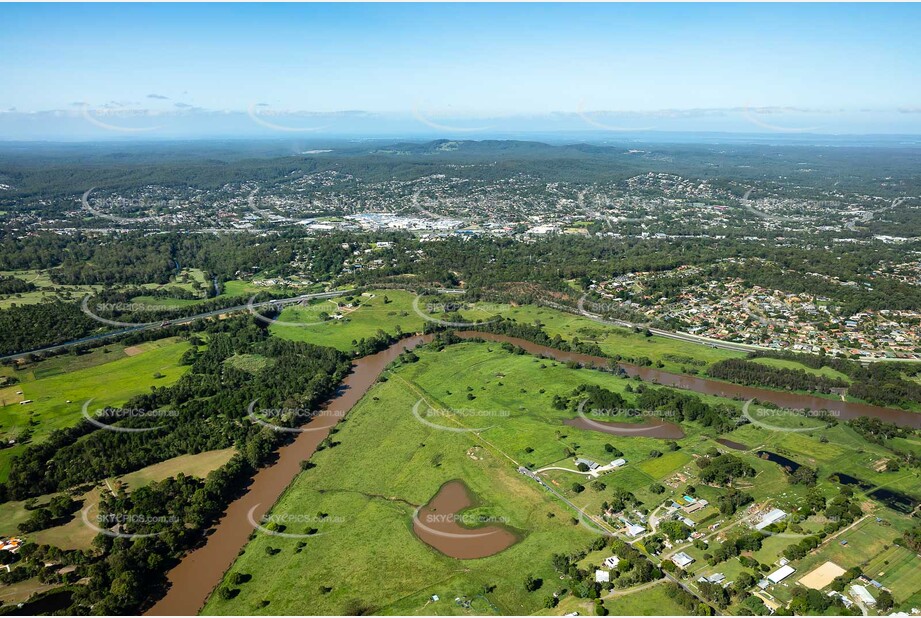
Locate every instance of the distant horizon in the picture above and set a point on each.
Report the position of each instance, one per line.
(559, 137)
(81, 71)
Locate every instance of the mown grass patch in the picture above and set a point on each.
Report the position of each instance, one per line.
(57, 399)
(780, 363)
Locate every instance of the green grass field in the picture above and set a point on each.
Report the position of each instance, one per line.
(780, 363)
(108, 382)
(388, 463)
(896, 568)
(653, 601)
(865, 541)
(675, 355)
(387, 458)
(47, 289)
(372, 314)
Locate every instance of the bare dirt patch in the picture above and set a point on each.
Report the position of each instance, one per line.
(821, 576)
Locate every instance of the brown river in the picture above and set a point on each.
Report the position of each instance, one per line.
(843, 410)
(200, 571)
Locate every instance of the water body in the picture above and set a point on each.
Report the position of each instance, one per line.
(895, 500)
(731, 444)
(439, 525)
(847, 479)
(842, 410)
(200, 571)
(787, 464)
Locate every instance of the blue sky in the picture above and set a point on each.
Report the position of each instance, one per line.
(815, 65)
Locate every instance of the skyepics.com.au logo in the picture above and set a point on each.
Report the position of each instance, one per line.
(428, 116)
(276, 120)
(295, 525)
(288, 419)
(596, 310)
(118, 525)
(138, 204)
(762, 417)
(278, 305)
(436, 418)
(162, 312)
(483, 312)
(105, 417)
(436, 526)
(604, 120)
(465, 519)
(588, 415)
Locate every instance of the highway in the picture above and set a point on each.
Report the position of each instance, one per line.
(178, 321)
(686, 337)
(713, 343)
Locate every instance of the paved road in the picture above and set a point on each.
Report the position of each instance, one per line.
(713, 343)
(185, 320)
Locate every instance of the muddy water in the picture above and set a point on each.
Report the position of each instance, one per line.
(193, 579)
(441, 525)
(842, 410)
(731, 444)
(201, 570)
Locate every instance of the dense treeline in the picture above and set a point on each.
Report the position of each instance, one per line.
(755, 374)
(687, 407)
(876, 430)
(813, 361)
(175, 512)
(529, 332)
(204, 410)
(14, 285)
(884, 384)
(722, 469)
(881, 383)
(29, 327)
(137, 258)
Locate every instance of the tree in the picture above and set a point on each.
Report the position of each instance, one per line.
(884, 600)
(532, 583)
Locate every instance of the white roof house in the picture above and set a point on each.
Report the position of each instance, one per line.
(602, 577)
(863, 594)
(588, 462)
(682, 559)
(781, 574)
(611, 561)
(771, 517)
(619, 462)
(635, 529)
